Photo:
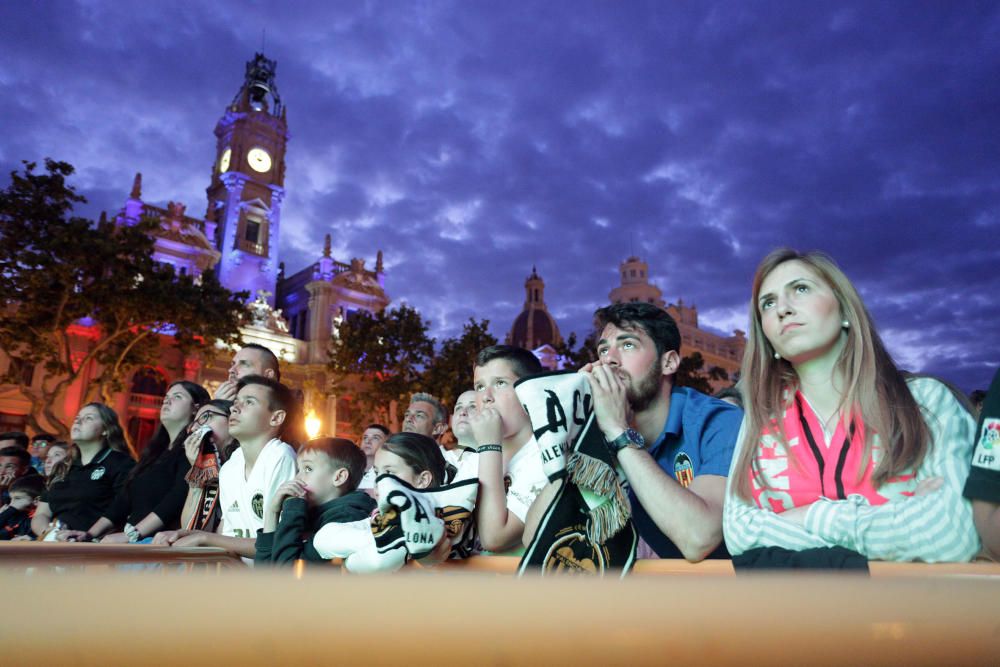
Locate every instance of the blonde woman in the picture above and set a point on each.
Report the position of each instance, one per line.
(837, 447)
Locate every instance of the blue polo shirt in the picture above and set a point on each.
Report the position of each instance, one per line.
(698, 439)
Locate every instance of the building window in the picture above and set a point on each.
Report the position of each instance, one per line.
(642, 273)
(632, 272)
(149, 382)
(253, 231)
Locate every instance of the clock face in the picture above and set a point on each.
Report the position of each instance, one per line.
(224, 160)
(259, 160)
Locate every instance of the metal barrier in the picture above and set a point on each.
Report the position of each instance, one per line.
(43, 555)
(273, 618)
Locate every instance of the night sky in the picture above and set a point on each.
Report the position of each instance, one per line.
(472, 140)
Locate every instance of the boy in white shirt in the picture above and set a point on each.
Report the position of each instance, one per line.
(507, 447)
(252, 475)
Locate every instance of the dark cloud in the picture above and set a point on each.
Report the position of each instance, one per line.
(470, 141)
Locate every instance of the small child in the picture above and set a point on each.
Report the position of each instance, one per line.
(15, 519)
(324, 491)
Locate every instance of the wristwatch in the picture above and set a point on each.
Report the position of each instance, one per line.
(629, 438)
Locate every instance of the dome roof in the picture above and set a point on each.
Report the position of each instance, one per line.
(533, 328)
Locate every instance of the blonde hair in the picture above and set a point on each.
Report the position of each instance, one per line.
(875, 389)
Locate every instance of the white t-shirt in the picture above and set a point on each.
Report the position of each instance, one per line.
(367, 480)
(527, 479)
(243, 498)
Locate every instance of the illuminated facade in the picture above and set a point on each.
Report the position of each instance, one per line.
(239, 239)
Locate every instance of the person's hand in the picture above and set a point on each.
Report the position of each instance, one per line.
(226, 390)
(292, 489)
(6, 478)
(166, 538)
(440, 552)
(115, 538)
(610, 401)
(487, 427)
(21, 538)
(929, 485)
(192, 444)
(71, 536)
(192, 539)
(796, 515)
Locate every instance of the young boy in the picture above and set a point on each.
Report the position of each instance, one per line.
(510, 463)
(15, 518)
(250, 478)
(324, 491)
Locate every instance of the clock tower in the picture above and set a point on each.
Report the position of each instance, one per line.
(248, 178)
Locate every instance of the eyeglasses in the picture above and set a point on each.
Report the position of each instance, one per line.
(208, 414)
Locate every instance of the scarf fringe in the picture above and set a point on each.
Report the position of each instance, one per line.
(608, 518)
(203, 471)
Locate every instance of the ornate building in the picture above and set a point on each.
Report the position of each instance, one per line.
(238, 238)
(726, 352)
(534, 328)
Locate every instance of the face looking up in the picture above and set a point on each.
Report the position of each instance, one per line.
(799, 313)
(465, 407)
(632, 353)
(494, 385)
(419, 418)
(371, 440)
(178, 406)
(87, 426)
(55, 455)
(250, 415)
(214, 418)
(247, 361)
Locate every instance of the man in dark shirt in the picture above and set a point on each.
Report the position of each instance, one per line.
(983, 484)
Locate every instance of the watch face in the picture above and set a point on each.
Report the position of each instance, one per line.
(259, 159)
(224, 160)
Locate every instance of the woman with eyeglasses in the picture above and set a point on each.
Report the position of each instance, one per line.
(207, 447)
(155, 490)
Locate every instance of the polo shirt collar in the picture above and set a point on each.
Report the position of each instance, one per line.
(98, 458)
(674, 418)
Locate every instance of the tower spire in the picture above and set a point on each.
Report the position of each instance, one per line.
(136, 187)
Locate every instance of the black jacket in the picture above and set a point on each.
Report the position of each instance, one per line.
(292, 539)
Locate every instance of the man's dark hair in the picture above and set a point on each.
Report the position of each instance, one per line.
(523, 362)
(652, 320)
(33, 485)
(43, 437)
(270, 360)
(379, 427)
(731, 393)
(280, 396)
(343, 454)
(19, 437)
(17, 452)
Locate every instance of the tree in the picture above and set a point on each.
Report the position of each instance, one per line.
(80, 298)
(690, 373)
(450, 372)
(378, 359)
(575, 358)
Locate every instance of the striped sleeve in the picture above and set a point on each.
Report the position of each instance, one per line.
(747, 526)
(936, 527)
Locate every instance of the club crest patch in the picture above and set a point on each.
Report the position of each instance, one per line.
(97, 473)
(572, 553)
(257, 504)
(987, 453)
(683, 469)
